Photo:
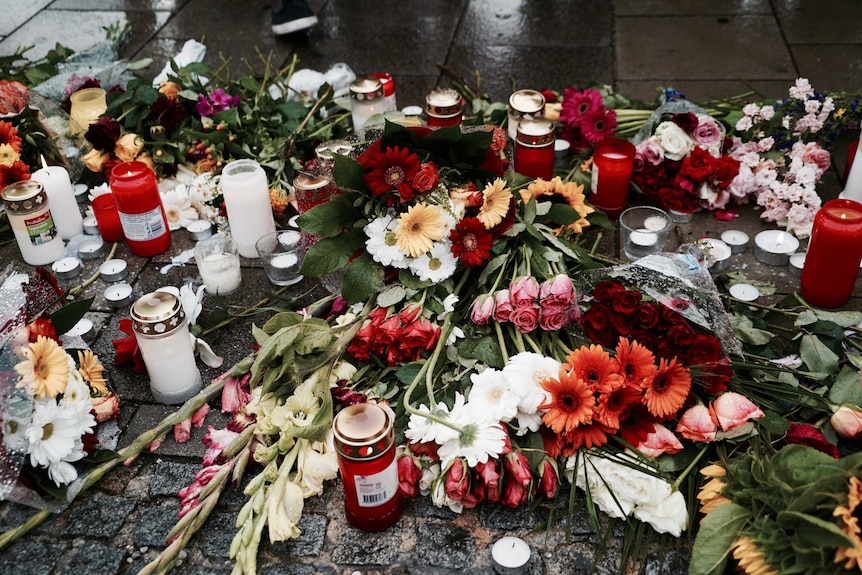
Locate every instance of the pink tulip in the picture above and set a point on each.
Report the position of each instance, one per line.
(457, 480)
(847, 422)
(514, 493)
(660, 441)
(490, 479)
(548, 478)
(733, 409)
(483, 309)
(518, 468)
(696, 424)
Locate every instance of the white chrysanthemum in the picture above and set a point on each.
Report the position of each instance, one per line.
(437, 265)
(422, 429)
(381, 242)
(15, 433)
(479, 441)
(53, 434)
(491, 395)
(524, 372)
(62, 472)
(178, 209)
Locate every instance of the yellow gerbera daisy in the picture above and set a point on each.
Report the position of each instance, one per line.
(750, 558)
(418, 229)
(92, 371)
(46, 369)
(8, 155)
(495, 203)
(851, 556)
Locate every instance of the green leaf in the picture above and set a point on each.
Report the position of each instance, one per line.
(330, 218)
(281, 320)
(847, 387)
(331, 254)
(491, 267)
(817, 356)
(408, 373)
(361, 279)
(807, 317)
(752, 335)
(391, 296)
(316, 336)
(842, 318)
(485, 349)
(813, 530)
(349, 174)
(67, 316)
(717, 533)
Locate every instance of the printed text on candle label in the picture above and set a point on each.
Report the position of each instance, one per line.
(377, 489)
(143, 227)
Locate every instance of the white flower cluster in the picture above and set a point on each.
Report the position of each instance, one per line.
(621, 490)
(188, 197)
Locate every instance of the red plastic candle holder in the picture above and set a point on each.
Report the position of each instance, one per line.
(534, 148)
(108, 218)
(139, 203)
(613, 160)
(834, 253)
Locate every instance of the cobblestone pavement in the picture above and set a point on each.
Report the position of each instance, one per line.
(704, 48)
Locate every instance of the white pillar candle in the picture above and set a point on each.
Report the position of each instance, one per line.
(737, 240)
(64, 205)
(114, 270)
(246, 196)
(511, 556)
(853, 185)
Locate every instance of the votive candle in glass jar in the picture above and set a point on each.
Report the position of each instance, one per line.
(388, 83)
(443, 108)
(246, 196)
(523, 105)
(139, 205)
(366, 100)
(613, 161)
(29, 213)
(834, 253)
(162, 333)
(86, 106)
(534, 148)
(365, 443)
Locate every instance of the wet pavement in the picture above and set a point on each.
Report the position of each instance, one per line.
(703, 48)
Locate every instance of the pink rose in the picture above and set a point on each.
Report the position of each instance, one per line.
(514, 493)
(732, 410)
(502, 306)
(814, 154)
(409, 474)
(696, 424)
(483, 309)
(554, 321)
(708, 131)
(847, 422)
(457, 481)
(518, 468)
(107, 407)
(652, 152)
(526, 319)
(524, 291)
(660, 441)
(557, 293)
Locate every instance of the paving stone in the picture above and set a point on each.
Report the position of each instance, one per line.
(17, 13)
(578, 558)
(444, 545)
(154, 524)
(690, 7)
(422, 507)
(669, 562)
(291, 569)
(38, 557)
(97, 516)
(15, 514)
(814, 63)
(310, 541)
(820, 22)
(217, 534)
(499, 517)
(172, 476)
(367, 548)
(95, 558)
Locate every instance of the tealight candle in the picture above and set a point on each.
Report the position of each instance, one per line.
(90, 249)
(720, 253)
(796, 263)
(289, 238)
(200, 230)
(678, 217)
(773, 247)
(114, 270)
(284, 261)
(744, 292)
(91, 227)
(67, 268)
(737, 240)
(119, 295)
(81, 193)
(511, 556)
(655, 223)
(643, 237)
(84, 329)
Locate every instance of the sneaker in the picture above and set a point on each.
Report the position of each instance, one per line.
(294, 16)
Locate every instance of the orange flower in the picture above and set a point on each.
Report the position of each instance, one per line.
(610, 406)
(666, 392)
(849, 514)
(571, 402)
(637, 363)
(592, 435)
(596, 367)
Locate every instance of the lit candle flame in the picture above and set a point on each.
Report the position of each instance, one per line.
(44, 163)
(780, 239)
(843, 216)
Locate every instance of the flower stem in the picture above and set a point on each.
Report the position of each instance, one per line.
(675, 485)
(501, 340)
(237, 316)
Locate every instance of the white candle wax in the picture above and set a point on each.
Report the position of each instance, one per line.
(91, 226)
(90, 249)
(83, 328)
(797, 261)
(118, 295)
(853, 185)
(284, 261)
(67, 267)
(511, 555)
(114, 270)
(717, 248)
(246, 196)
(655, 223)
(744, 292)
(289, 238)
(737, 240)
(220, 272)
(61, 199)
(643, 237)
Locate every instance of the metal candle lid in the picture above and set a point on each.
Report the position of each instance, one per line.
(443, 103)
(327, 151)
(535, 132)
(366, 89)
(308, 182)
(526, 102)
(24, 197)
(363, 431)
(157, 314)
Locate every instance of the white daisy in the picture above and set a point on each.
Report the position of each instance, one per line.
(437, 265)
(491, 395)
(178, 209)
(480, 440)
(381, 243)
(15, 432)
(422, 430)
(53, 434)
(62, 472)
(524, 372)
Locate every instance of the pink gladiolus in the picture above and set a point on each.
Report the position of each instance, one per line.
(216, 440)
(234, 394)
(483, 309)
(696, 424)
(490, 479)
(199, 415)
(733, 409)
(847, 422)
(524, 291)
(502, 306)
(518, 468)
(183, 431)
(548, 478)
(106, 407)
(409, 474)
(659, 442)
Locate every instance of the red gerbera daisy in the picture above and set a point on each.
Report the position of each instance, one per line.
(9, 135)
(590, 435)
(471, 242)
(17, 172)
(636, 423)
(598, 125)
(611, 406)
(393, 169)
(577, 104)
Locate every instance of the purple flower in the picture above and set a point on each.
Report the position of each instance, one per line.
(205, 107)
(222, 100)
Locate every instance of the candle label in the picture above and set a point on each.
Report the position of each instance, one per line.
(145, 226)
(378, 488)
(40, 229)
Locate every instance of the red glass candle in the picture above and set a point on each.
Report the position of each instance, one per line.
(613, 160)
(139, 203)
(443, 108)
(834, 253)
(365, 443)
(108, 218)
(534, 148)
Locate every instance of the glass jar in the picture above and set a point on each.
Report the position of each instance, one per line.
(365, 443)
(87, 106)
(534, 148)
(162, 333)
(523, 105)
(388, 90)
(32, 223)
(139, 204)
(443, 108)
(246, 197)
(366, 100)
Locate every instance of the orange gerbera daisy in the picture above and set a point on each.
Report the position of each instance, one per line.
(569, 192)
(596, 367)
(849, 514)
(636, 361)
(571, 403)
(591, 435)
(611, 406)
(665, 393)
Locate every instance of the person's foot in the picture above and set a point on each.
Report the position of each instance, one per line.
(293, 16)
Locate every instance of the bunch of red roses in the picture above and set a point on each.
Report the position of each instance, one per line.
(529, 305)
(394, 338)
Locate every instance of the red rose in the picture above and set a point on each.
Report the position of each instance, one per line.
(44, 327)
(426, 178)
(420, 334)
(457, 481)
(104, 133)
(626, 301)
(687, 121)
(698, 165)
(598, 316)
(514, 493)
(624, 323)
(409, 474)
(647, 315)
(806, 434)
(704, 349)
(126, 349)
(605, 290)
(681, 335)
(490, 478)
